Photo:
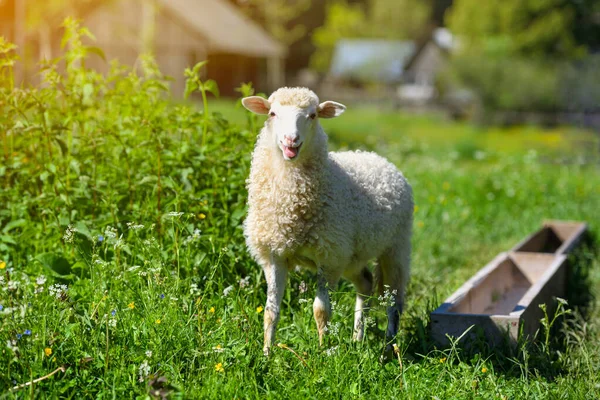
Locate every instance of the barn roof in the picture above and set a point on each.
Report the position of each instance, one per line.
(225, 28)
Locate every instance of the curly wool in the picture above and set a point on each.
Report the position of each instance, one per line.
(335, 210)
(299, 97)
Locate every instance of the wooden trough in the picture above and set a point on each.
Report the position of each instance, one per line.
(503, 297)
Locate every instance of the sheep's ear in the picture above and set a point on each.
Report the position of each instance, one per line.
(331, 109)
(256, 104)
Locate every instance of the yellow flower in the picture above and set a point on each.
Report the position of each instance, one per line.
(2, 264)
(218, 347)
(219, 367)
(443, 360)
(131, 305)
(201, 216)
(157, 321)
(48, 351)
(212, 310)
(53, 359)
(484, 370)
(416, 208)
(259, 309)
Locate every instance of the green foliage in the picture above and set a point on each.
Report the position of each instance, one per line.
(531, 28)
(342, 21)
(193, 82)
(124, 273)
(279, 16)
(515, 54)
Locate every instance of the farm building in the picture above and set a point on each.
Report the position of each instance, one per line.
(370, 60)
(179, 32)
(421, 70)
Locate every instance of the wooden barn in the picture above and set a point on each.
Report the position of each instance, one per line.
(179, 32)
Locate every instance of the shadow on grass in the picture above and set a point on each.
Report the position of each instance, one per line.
(540, 357)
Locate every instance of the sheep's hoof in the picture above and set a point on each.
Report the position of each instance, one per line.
(387, 355)
(267, 351)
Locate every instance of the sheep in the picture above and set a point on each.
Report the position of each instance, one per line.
(332, 212)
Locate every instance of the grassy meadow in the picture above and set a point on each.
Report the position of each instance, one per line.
(124, 273)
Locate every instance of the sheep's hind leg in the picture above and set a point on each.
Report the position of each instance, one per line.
(276, 276)
(363, 282)
(395, 268)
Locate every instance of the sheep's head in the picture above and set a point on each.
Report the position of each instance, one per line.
(293, 117)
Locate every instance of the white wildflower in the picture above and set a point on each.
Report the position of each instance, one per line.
(13, 285)
(112, 322)
(133, 226)
(144, 370)
(334, 329)
(331, 351)
(58, 290)
(227, 290)
(387, 299)
(68, 236)
(110, 232)
(40, 280)
(12, 345)
(149, 353)
(244, 282)
(194, 289)
(303, 288)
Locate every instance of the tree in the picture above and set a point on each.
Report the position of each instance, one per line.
(519, 27)
(518, 54)
(278, 17)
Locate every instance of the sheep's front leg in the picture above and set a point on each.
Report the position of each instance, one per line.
(276, 276)
(322, 305)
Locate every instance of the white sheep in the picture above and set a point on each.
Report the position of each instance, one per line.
(332, 212)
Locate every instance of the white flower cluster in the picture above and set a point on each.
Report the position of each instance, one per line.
(194, 237)
(227, 290)
(58, 290)
(244, 282)
(331, 351)
(194, 290)
(133, 226)
(302, 287)
(387, 299)
(110, 232)
(334, 329)
(69, 234)
(144, 370)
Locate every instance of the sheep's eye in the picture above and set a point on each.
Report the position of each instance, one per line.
(313, 116)
(272, 114)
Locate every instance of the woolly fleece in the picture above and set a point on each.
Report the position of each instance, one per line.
(333, 210)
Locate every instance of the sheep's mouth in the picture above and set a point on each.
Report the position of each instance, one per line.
(290, 153)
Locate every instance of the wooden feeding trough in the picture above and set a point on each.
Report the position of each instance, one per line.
(503, 297)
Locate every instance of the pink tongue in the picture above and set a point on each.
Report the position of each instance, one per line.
(290, 152)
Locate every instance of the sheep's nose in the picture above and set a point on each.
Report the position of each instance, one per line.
(290, 141)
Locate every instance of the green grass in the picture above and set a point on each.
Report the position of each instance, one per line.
(106, 189)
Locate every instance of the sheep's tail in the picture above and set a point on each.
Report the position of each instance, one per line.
(378, 280)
